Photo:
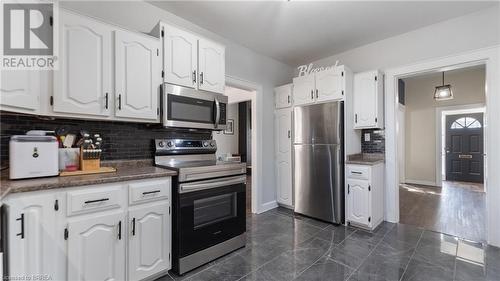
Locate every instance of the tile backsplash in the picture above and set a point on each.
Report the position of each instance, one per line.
(376, 142)
(121, 140)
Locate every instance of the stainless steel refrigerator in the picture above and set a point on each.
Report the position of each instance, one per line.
(318, 161)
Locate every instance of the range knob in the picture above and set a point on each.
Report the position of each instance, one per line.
(170, 144)
(161, 144)
(212, 144)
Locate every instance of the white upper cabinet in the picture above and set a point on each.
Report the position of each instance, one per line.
(368, 100)
(96, 248)
(83, 82)
(211, 65)
(322, 86)
(149, 240)
(20, 90)
(192, 61)
(330, 84)
(137, 75)
(283, 96)
(283, 147)
(180, 57)
(303, 89)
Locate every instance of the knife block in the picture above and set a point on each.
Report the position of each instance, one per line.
(89, 163)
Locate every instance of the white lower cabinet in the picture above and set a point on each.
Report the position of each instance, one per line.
(32, 236)
(149, 240)
(364, 195)
(283, 148)
(96, 247)
(48, 238)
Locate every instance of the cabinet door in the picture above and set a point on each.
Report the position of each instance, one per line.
(365, 100)
(82, 85)
(358, 201)
(283, 127)
(137, 75)
(32, 235)
(149, 240)
(20, 90)
(96, 247)
(303, 89)
(212, 69)
(283, 96)
(180, 57)
(329, 85)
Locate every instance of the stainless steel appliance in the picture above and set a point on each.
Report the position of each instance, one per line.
(208, 197)
(184, 107)
(319, 162)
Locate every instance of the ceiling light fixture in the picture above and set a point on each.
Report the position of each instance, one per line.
(443, 92)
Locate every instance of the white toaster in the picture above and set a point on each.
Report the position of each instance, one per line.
(33, 156)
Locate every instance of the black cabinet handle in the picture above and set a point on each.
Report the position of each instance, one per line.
(97, 200)
(150, 192)
(201, 78)
(312, 94)
(288, 99)
(106, 100)
(289, 134)
(356, 118)
(22, 226)
(56, 205)
(194, 76)
(120, 230)
(120, 102)
(317, 94)
(133, 226)
(358, 173)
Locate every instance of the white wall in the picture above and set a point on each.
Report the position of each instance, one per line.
(469, 32)
(228, 143)
(241, 62)
(420, 148)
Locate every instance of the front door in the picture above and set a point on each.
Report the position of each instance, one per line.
(464, 147)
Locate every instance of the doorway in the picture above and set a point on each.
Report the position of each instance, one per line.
(244, 132)
(442, 162)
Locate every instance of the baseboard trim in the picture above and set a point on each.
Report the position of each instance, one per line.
(267, 206)
(422, 182)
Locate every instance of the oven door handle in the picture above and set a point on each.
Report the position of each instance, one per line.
(191, 187)
(217, 112)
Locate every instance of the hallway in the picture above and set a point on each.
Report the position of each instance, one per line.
(458, 208)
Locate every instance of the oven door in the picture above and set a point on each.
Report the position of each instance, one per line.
(189, 108)
(211, 212)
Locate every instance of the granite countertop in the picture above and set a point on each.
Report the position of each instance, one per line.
(125, 170)
(365, 158)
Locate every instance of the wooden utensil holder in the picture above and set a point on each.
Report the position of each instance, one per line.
(89, 164)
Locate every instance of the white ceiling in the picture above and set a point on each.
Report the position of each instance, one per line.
(298, 32)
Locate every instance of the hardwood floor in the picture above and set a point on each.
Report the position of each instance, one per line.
(456, 208)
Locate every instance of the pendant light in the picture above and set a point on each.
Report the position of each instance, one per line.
(443, 92)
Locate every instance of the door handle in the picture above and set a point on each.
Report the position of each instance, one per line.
(217, 113)
(21, 219)
(194, 76)
(465, 156)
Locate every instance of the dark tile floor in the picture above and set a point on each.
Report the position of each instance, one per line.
(283, 246)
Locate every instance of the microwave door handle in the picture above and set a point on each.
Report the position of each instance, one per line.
(217, 113)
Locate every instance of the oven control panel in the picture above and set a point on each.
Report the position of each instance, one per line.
(185, 145)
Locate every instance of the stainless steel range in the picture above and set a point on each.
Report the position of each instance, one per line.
(208, 199)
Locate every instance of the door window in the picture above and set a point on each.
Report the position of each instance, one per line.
(466, 123)
(214, 209)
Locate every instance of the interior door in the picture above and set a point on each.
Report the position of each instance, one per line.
(464, 147)
(283, 127)
(96, 248)
(211, 65)
(149, 243)
(20, 89)
(365, 99)
(180, 57)
(358, 201)
(82, 84)
(329, 85)
(137, 75)
(303, 89)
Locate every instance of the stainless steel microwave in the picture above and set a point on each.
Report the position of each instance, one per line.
(184, 107)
